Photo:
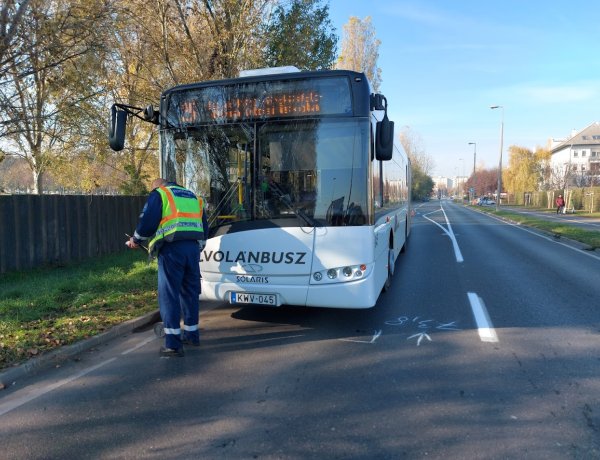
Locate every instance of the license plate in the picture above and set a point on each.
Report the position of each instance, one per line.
(249, 297)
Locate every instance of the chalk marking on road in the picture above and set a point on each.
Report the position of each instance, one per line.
(397, 322)
(30, 396)
(420, 336)
(449, 232)
(486, 330)
(376, 335)
(451, 326)
(424, 323)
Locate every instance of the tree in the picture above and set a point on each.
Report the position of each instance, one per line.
(360, 50)
(521, 175)
(56, 39)
(421, 163)
(232, 33)
(413, 146)
(301, 35)
(11, 15)
(422, 184)
(527, 171)
(486, 182)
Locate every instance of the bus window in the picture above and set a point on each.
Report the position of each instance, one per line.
(314, 166)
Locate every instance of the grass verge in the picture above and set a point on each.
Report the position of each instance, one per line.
(587, 237)
(47, 308)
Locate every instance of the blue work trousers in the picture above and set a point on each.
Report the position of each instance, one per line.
(179, 290)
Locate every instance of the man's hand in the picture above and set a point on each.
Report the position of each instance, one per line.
(131, 244)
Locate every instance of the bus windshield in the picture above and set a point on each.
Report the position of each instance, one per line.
(310, 172)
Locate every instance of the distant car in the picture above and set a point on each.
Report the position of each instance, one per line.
(485, 201)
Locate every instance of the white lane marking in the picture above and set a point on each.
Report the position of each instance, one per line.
(486, 330)
(448, 231)
(10, 405)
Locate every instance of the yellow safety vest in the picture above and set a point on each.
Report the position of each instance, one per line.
(181, 217)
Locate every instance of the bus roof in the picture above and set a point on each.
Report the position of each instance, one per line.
(358, 77)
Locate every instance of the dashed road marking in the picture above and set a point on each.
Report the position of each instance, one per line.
(486, 330)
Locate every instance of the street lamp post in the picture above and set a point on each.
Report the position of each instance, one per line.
(461, 179)
(474, 144)
(500, 162)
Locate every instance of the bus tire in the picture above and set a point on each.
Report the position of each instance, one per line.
(403, 249)
(390, 270)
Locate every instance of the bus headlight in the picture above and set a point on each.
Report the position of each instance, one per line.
(341, 274)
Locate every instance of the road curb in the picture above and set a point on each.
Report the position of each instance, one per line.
(55, 357)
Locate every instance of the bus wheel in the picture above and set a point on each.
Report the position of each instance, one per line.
(390, 270)
(403, 249)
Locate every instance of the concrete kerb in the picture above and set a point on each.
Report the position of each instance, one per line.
(53, 358)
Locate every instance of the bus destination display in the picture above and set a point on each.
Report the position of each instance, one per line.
(245, 108)
(222, 104)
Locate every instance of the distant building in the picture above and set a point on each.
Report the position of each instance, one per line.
(442, 182)
(459, 185)
(446, 186)
(442, 185)
(576, 160)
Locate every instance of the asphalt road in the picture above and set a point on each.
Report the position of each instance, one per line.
(485, 347)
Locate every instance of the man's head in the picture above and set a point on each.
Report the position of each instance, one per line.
(158, 183)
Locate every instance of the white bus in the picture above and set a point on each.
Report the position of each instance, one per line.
(308, 195)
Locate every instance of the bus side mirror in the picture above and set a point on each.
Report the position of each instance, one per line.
(384, 139)
(151, 115)
(116, 130)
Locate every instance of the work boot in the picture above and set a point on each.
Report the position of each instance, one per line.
(168, 352)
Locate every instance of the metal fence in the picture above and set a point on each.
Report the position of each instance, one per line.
(37, 230)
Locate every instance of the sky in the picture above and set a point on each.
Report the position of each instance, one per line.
(444, 63)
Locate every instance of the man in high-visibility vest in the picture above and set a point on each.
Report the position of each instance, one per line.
(174, 224)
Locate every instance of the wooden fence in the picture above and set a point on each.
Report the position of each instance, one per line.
(37, 230)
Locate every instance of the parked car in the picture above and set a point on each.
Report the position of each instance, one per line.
(485, 201)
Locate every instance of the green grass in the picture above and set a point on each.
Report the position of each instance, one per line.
(46, 308)
(588, 237)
